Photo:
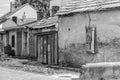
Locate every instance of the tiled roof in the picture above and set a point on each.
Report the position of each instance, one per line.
(36, 24)
(19, 23)
(87, 5)
(44, 22)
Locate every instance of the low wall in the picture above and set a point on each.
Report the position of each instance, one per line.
(101, 71)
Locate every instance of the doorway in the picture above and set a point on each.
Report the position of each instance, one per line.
(47, 46)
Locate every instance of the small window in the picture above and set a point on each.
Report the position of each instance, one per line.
(13, 41)
(91, 39)
(14, 18)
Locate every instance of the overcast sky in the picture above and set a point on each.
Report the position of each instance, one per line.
(5, 5)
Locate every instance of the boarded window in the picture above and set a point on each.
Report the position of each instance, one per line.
(13, 41)
(91, 39)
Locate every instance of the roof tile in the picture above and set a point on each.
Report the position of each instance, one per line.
(87, 5)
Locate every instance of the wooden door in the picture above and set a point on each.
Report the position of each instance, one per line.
(48, 48)
(19, 43)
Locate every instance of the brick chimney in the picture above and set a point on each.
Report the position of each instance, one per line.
(39, 15)
(54, 10)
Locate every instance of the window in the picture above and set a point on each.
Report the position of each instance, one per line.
(14, 18)
(91, 39)
(13, 41)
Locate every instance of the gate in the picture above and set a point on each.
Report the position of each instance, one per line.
(47, 45)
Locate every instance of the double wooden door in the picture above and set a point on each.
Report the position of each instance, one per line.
(48, 48)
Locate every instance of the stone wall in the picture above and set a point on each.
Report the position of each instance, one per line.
(104, 72)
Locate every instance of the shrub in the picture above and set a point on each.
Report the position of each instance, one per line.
(9, 51)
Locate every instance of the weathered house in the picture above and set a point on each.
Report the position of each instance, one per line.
(43, 40)
(89, 31)
(12, 32)
(35, 39)
(29, 36)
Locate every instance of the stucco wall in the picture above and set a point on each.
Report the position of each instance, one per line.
(72, 29)
(72, 36)
(29, 12)
(107, 23)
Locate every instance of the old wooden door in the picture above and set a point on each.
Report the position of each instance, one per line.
(48, 48)
(19, 43)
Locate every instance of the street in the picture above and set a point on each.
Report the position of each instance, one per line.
(9, 74)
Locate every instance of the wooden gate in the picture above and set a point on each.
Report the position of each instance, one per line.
(47, 45)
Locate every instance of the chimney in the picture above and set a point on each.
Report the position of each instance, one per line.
(54, 10)
(14, 18)
(39, 15)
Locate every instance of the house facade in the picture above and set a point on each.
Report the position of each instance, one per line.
(13, 33)
(29, 35)
(89, 31)
(43, 41)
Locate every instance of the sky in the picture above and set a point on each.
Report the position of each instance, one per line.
(5, 5)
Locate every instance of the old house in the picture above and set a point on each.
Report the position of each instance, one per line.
(29, 35)
(89, 31)
(12, 33)
(43, 40)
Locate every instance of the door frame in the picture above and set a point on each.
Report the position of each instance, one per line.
(56, 62)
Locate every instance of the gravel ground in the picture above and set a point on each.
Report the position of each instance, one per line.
(9, 74)
(32, 66)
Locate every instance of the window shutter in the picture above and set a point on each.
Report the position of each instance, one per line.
(91, 39)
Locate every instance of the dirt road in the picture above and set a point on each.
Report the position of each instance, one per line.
(8, 74)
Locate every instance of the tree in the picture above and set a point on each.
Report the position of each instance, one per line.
(42, 6)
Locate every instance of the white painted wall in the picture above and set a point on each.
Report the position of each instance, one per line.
(28, 10)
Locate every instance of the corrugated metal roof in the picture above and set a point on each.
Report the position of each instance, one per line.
(87, 5)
